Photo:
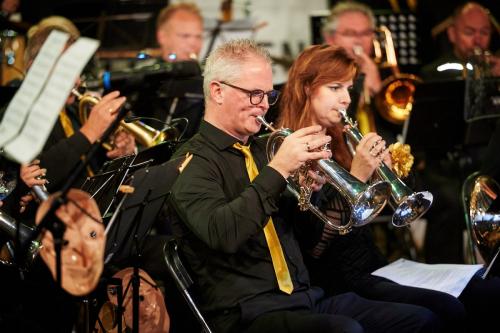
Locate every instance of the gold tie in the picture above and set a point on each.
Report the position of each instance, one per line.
(278, 258)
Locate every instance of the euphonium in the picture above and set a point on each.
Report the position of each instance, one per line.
(408, 205)
(394, 102)
(366, 201)
(144, 134)
(485, 223)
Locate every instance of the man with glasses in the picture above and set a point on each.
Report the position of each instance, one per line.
(351, 25)
(235, 225)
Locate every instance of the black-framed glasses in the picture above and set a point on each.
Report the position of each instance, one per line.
(257, 95)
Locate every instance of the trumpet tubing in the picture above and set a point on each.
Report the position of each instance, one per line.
(143, 134)
(366, 201)
(408, 205)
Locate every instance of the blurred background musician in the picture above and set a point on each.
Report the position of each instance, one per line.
(470, 32)
(69, 138)
(179, 33)
(351, 25)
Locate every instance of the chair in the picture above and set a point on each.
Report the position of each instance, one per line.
(182, 279)
(467, 188)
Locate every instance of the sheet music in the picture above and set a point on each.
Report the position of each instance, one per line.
(46, 109)
(23, 100)
(447, 278)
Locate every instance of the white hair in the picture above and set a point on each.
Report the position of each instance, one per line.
(224, 63)
(344, 7)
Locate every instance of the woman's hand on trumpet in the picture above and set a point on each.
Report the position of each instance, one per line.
(102, 115)
(302, 145)
(370, 153)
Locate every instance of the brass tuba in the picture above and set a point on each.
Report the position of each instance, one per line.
(143, 134)
(366, 201)
(485, 222)
(408, 205)
(394, 102)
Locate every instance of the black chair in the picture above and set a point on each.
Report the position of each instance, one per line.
(182, 279)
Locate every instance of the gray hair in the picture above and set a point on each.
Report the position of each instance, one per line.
(344, 7)
(224, 63)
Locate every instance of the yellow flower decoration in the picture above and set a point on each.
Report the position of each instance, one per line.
(402, 159)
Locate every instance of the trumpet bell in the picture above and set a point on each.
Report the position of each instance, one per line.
(366, 200)
(411, 208)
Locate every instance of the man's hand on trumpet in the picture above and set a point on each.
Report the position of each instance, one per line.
(298, 148)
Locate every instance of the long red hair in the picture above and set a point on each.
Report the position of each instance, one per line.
(316, 66)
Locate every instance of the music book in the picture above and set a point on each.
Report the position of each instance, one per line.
(53, 77)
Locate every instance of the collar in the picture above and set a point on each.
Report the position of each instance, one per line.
(220, 139)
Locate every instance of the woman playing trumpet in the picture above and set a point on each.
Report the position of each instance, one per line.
(317, 88)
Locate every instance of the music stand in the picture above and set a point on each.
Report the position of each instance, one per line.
(436, 122)
(132, 221)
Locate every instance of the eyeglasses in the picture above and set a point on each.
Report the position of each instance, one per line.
(257, 95)
(352, 33)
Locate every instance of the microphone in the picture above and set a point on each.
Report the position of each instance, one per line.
(136, 77)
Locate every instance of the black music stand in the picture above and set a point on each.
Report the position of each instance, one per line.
(436, 122)
(133, 219)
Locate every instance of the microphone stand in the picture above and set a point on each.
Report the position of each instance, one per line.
(50, 221)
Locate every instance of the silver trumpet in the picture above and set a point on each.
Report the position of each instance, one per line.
(366, 201)
(408, 205)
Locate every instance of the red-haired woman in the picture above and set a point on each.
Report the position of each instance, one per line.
(318, 87)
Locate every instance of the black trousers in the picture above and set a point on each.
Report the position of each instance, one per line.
(474, 311)
(348, 313)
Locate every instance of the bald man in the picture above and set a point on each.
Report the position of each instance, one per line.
(179, 32)
(470, 30)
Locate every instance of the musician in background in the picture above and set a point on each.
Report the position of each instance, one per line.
(351, 25)
(471, 30)
(70, 139)
(179, 32)
(318, 86)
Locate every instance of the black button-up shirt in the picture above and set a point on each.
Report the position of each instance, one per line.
(221, 229)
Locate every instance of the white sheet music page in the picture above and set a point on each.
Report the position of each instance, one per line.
(46, 109)
(33, 83)
(447, 278)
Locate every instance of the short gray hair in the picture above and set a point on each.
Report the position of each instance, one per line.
(344, 7)
(223, 64)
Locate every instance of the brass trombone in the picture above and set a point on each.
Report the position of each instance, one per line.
(408, 205)
(394, 102)
(143, 134)
(366, 201)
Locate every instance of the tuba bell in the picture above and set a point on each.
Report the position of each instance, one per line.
(394, 102)
(143, 134)
(366, 201)
(408, 205)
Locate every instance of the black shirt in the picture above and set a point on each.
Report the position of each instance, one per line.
(221, 232)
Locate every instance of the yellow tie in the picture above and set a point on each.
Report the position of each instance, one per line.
(278, 258)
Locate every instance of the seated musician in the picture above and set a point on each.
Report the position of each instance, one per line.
(470, 31)
(70, 139)
(235, 224)
(318, 86)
